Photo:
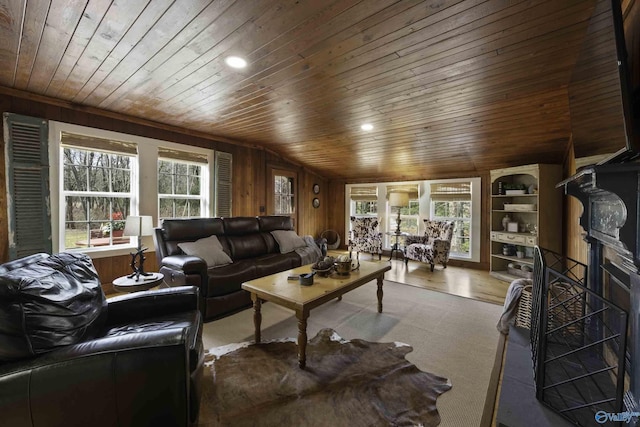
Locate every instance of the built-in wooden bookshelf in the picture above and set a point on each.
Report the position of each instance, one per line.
(529, 197)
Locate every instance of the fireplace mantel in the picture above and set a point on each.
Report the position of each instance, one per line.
(610, 198)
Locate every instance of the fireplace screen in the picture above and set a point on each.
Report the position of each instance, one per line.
(578, 341)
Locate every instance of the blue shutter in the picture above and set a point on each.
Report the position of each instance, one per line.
(27, 176)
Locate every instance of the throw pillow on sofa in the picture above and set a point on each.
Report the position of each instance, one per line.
(50, 303)
(209, 249)
(288, 240)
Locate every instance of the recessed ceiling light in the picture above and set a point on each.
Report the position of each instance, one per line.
(367, 127)
(235, 62)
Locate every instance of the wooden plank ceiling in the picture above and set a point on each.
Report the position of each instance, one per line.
(452, 87)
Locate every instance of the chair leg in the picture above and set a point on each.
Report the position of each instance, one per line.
(379, 256)
(432, 265)
(406, 261)
(444, 265)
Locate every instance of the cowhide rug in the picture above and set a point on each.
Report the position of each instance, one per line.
(345, 383)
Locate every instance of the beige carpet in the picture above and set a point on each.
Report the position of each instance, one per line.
(452, 337)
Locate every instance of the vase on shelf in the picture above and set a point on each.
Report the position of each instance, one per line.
(506, 220)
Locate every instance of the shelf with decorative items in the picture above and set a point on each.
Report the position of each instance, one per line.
(525, 212)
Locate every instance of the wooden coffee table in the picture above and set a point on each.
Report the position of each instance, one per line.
(290, 294)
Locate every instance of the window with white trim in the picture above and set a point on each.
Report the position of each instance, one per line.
(466, 213)
(409, 217)
(451, 201)
(409, 214)
(364, 201)
(97, 178)
(180, 177)
(103, 176)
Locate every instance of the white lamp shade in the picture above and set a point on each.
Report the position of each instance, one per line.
(138, 226)
(399, 199)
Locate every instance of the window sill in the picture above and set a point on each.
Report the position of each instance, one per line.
(462, 258)
(101, 252)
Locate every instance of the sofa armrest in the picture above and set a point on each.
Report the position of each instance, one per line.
(441, 247)
(189, 264)
(413, 238)
(121, 344)
(149, 304)
(129, 371)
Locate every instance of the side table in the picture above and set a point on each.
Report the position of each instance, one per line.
(144, 283)
(396, 245)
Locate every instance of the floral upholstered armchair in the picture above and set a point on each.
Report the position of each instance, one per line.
(433, 247)
(365, 237)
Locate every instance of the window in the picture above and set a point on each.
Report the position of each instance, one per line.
(179, 189)
(407, 195)
(455, 199)
(452, 202)
(365, 208)
(282, 200)
(284, 197)
(96, 195)
(364, 201)
(104, 176)
(180, 176)
(409, 217)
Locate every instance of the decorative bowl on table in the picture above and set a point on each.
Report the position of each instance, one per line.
(343, 268)
(323, 266)
(322, 272)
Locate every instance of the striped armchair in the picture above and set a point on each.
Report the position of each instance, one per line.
(433, 247)
(365, 237)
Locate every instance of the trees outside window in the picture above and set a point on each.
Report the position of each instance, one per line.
(409, 217)
(365, 208)
(102, 177)
(282, 196)
(179, 189)
(458, 211)
(97, 197)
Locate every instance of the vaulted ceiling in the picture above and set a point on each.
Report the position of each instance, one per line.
(450, 86)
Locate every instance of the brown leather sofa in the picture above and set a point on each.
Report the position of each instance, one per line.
(247, 240)
(69, 357)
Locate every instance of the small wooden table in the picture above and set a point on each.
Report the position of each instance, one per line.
(290, 294)
(144, 283)
(396, 245)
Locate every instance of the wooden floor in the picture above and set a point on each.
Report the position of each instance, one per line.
(464, 282)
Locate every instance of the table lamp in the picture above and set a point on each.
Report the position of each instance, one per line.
(138, 226)
(398, 200)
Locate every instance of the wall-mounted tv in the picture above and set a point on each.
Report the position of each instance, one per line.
(604, 118)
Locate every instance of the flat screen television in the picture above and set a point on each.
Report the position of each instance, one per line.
(604, 83)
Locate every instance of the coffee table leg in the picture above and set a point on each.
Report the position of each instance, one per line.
(257, 315)
(380, 279)
(302, 338)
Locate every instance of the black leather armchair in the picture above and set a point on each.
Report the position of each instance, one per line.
(142, 366)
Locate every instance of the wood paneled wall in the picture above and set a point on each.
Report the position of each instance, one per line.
(574, 245)
(249, 173)
(336, 210)
(250, 184)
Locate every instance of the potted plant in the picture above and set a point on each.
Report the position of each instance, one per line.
(114, 228)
